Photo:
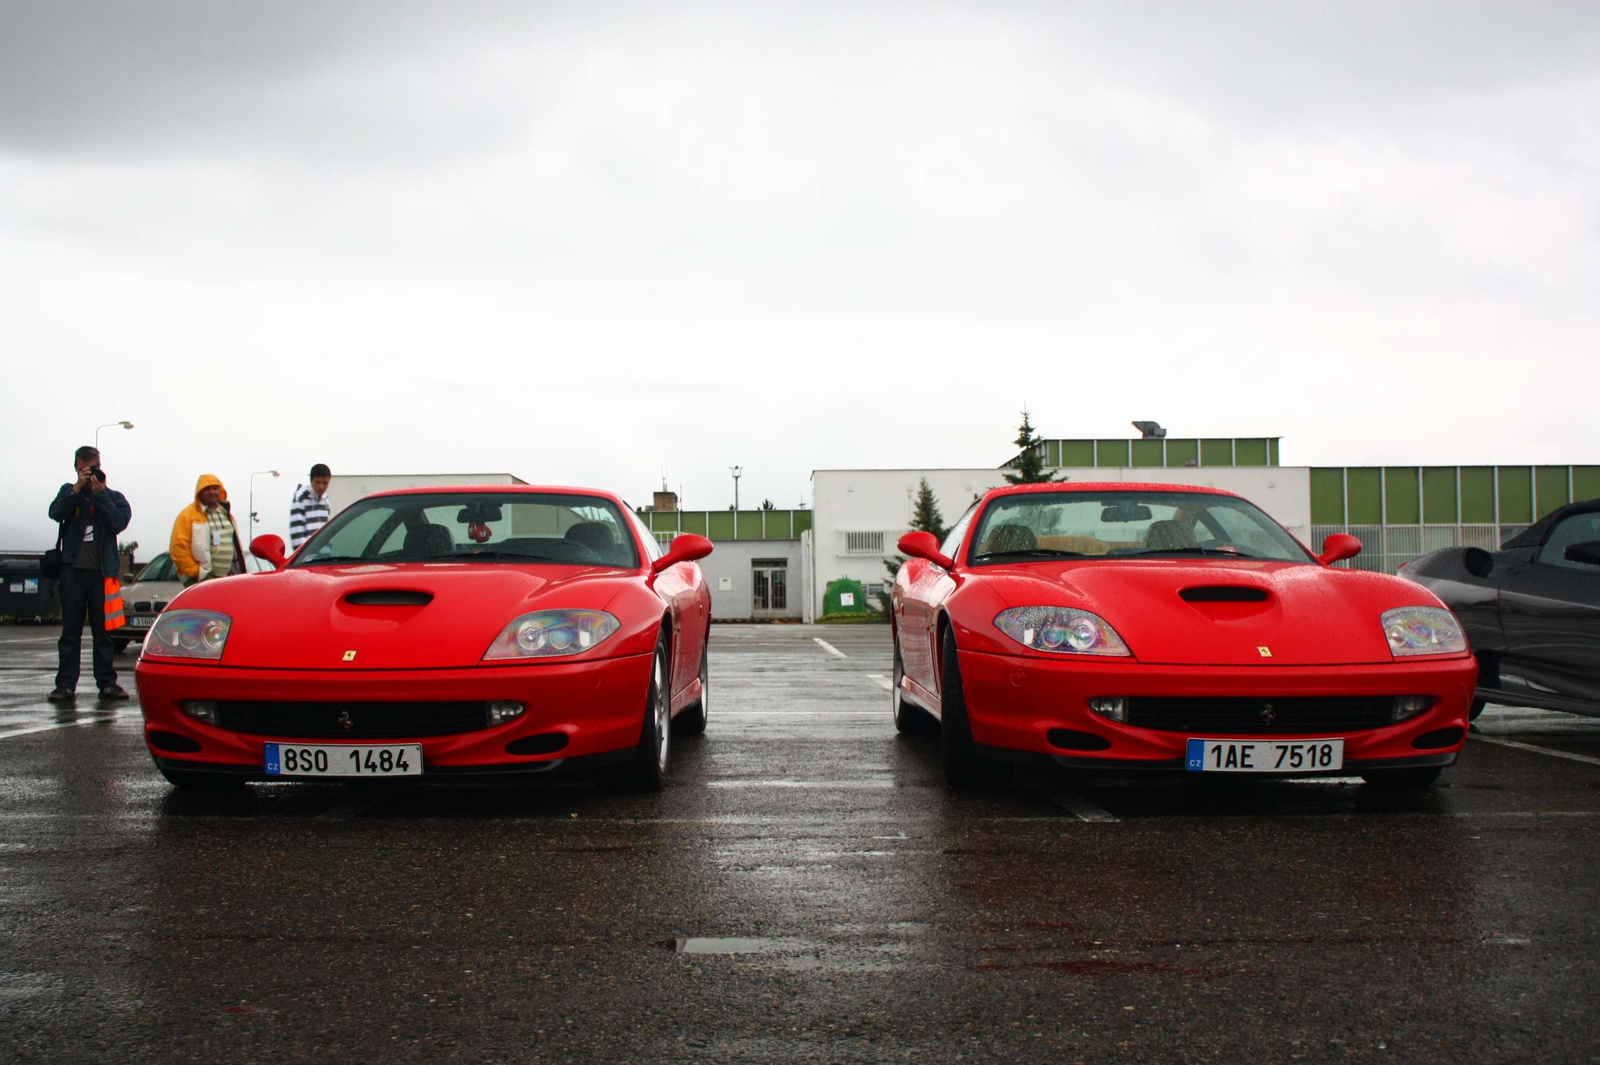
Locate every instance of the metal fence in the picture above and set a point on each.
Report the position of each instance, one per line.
(1385, 548)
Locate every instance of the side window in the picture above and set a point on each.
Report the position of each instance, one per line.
(958, 532)
(652, 546)
(1242, 532)
(1578, 529)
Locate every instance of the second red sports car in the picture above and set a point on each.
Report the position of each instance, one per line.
(446, 633)
(1149, 626)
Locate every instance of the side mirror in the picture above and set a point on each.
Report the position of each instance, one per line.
(1339, 547)
(686, 547)
(1477, 561)
(923, 545)
(269, 548)
(1587, 552)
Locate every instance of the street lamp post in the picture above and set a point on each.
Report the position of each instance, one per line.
(736, 471)
(108, 425)
(253, 477)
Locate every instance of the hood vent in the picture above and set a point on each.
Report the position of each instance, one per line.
(1223, 593)
(389, 597)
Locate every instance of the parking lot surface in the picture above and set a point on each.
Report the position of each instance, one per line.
(806, 890)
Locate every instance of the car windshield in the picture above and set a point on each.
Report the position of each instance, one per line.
(1120, 524)
(499, 527)
(160, 568)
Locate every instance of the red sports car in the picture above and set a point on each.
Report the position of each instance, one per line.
(444, 632)
(1150, 626)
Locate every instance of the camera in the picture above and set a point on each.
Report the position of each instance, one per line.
(97, 473)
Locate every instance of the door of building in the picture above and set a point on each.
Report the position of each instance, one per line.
(770, 579)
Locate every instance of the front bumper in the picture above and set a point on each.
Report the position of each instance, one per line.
(597, 705)
(1015, 702)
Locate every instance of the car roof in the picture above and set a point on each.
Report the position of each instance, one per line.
(1106, 486)
(497, 489)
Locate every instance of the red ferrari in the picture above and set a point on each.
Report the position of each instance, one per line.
(446, 633)
(1149, 626)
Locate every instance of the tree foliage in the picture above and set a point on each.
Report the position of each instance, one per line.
(925, 517)
(1030, 463)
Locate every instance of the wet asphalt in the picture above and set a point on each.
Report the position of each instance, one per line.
(807, 890)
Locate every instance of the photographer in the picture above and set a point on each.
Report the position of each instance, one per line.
(91, 516)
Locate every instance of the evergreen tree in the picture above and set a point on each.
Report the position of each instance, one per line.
(1030, 464)
(925, 517)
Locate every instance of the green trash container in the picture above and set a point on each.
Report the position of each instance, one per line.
(844, 598)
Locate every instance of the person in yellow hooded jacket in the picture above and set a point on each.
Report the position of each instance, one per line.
(205, 541)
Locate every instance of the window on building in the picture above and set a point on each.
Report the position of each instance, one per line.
(770, 580)
(863, 543)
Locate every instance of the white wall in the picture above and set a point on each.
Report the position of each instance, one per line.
(728, 571)
(882, 501)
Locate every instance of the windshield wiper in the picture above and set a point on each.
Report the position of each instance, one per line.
(319, 560)
(1028, 552)
(1217, 551)
(468, 556)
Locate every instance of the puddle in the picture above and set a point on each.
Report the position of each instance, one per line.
(723, 945)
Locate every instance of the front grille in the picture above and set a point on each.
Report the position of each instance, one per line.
(1289, 715)
(360, 721)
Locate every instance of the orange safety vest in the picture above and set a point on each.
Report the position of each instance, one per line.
(114, 616)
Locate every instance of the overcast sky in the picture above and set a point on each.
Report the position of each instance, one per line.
(589, 243)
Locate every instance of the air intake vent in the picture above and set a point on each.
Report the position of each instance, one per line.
(1223, 593)
(389, 597)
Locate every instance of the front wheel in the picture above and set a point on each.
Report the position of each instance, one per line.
(964, 767)
(1403, 779)
(646, 770)
(1477, 708)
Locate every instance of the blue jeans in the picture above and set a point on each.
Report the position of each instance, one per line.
(83, 596)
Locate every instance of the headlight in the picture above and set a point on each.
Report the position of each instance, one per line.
(1061, 629)
(550, 633)
(1423, 630)
(188, 634)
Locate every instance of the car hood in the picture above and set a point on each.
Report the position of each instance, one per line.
(1225, 612)
(410, 616)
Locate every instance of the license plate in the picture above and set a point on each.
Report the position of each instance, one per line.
(141, 622)
(1265, 756)
(344, 760)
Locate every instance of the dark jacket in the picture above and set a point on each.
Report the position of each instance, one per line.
(109, 511)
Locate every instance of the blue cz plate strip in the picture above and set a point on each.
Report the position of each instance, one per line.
(273, 761)
(1196, 757)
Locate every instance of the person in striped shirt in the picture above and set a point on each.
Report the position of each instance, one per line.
(309, 511)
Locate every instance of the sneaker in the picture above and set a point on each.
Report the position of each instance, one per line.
(62, 695)
(113, 691)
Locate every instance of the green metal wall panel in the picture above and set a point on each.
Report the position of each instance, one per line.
(1477, 495)
(1077, 453)
(1365, 494)
(1216, 452)
(694, 521)
(1273, 444)
(1439, 495)
(802, 522)
(1327, 496)
(749, 524)
(664, 520)
(720, 523)
(1250, 453)
(778, 524)
(1400, 489)
(1551, 483)
(1052, 453)
(1516, 495)
(1179, 452)
(1585, 482)
(1147, 452)
(1111, 453)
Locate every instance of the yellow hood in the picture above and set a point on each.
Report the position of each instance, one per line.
(206, 481)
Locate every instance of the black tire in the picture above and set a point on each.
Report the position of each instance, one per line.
(195, 780)
(691, 720)
(1403, 779)
(909, 719)
(1477, 708)
(647, 769)
(964, 767)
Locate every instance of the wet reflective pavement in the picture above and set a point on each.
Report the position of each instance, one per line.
(807, 890)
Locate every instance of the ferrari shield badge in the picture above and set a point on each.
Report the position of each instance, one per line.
(1265, 652)
(349, 656)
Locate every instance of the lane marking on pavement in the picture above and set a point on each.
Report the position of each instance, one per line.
(883, 681)
(99, 719)
(830, 648)
(1081, 808)
(1585, 759)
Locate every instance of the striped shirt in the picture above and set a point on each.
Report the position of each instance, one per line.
(308, 513)
(221, 526)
